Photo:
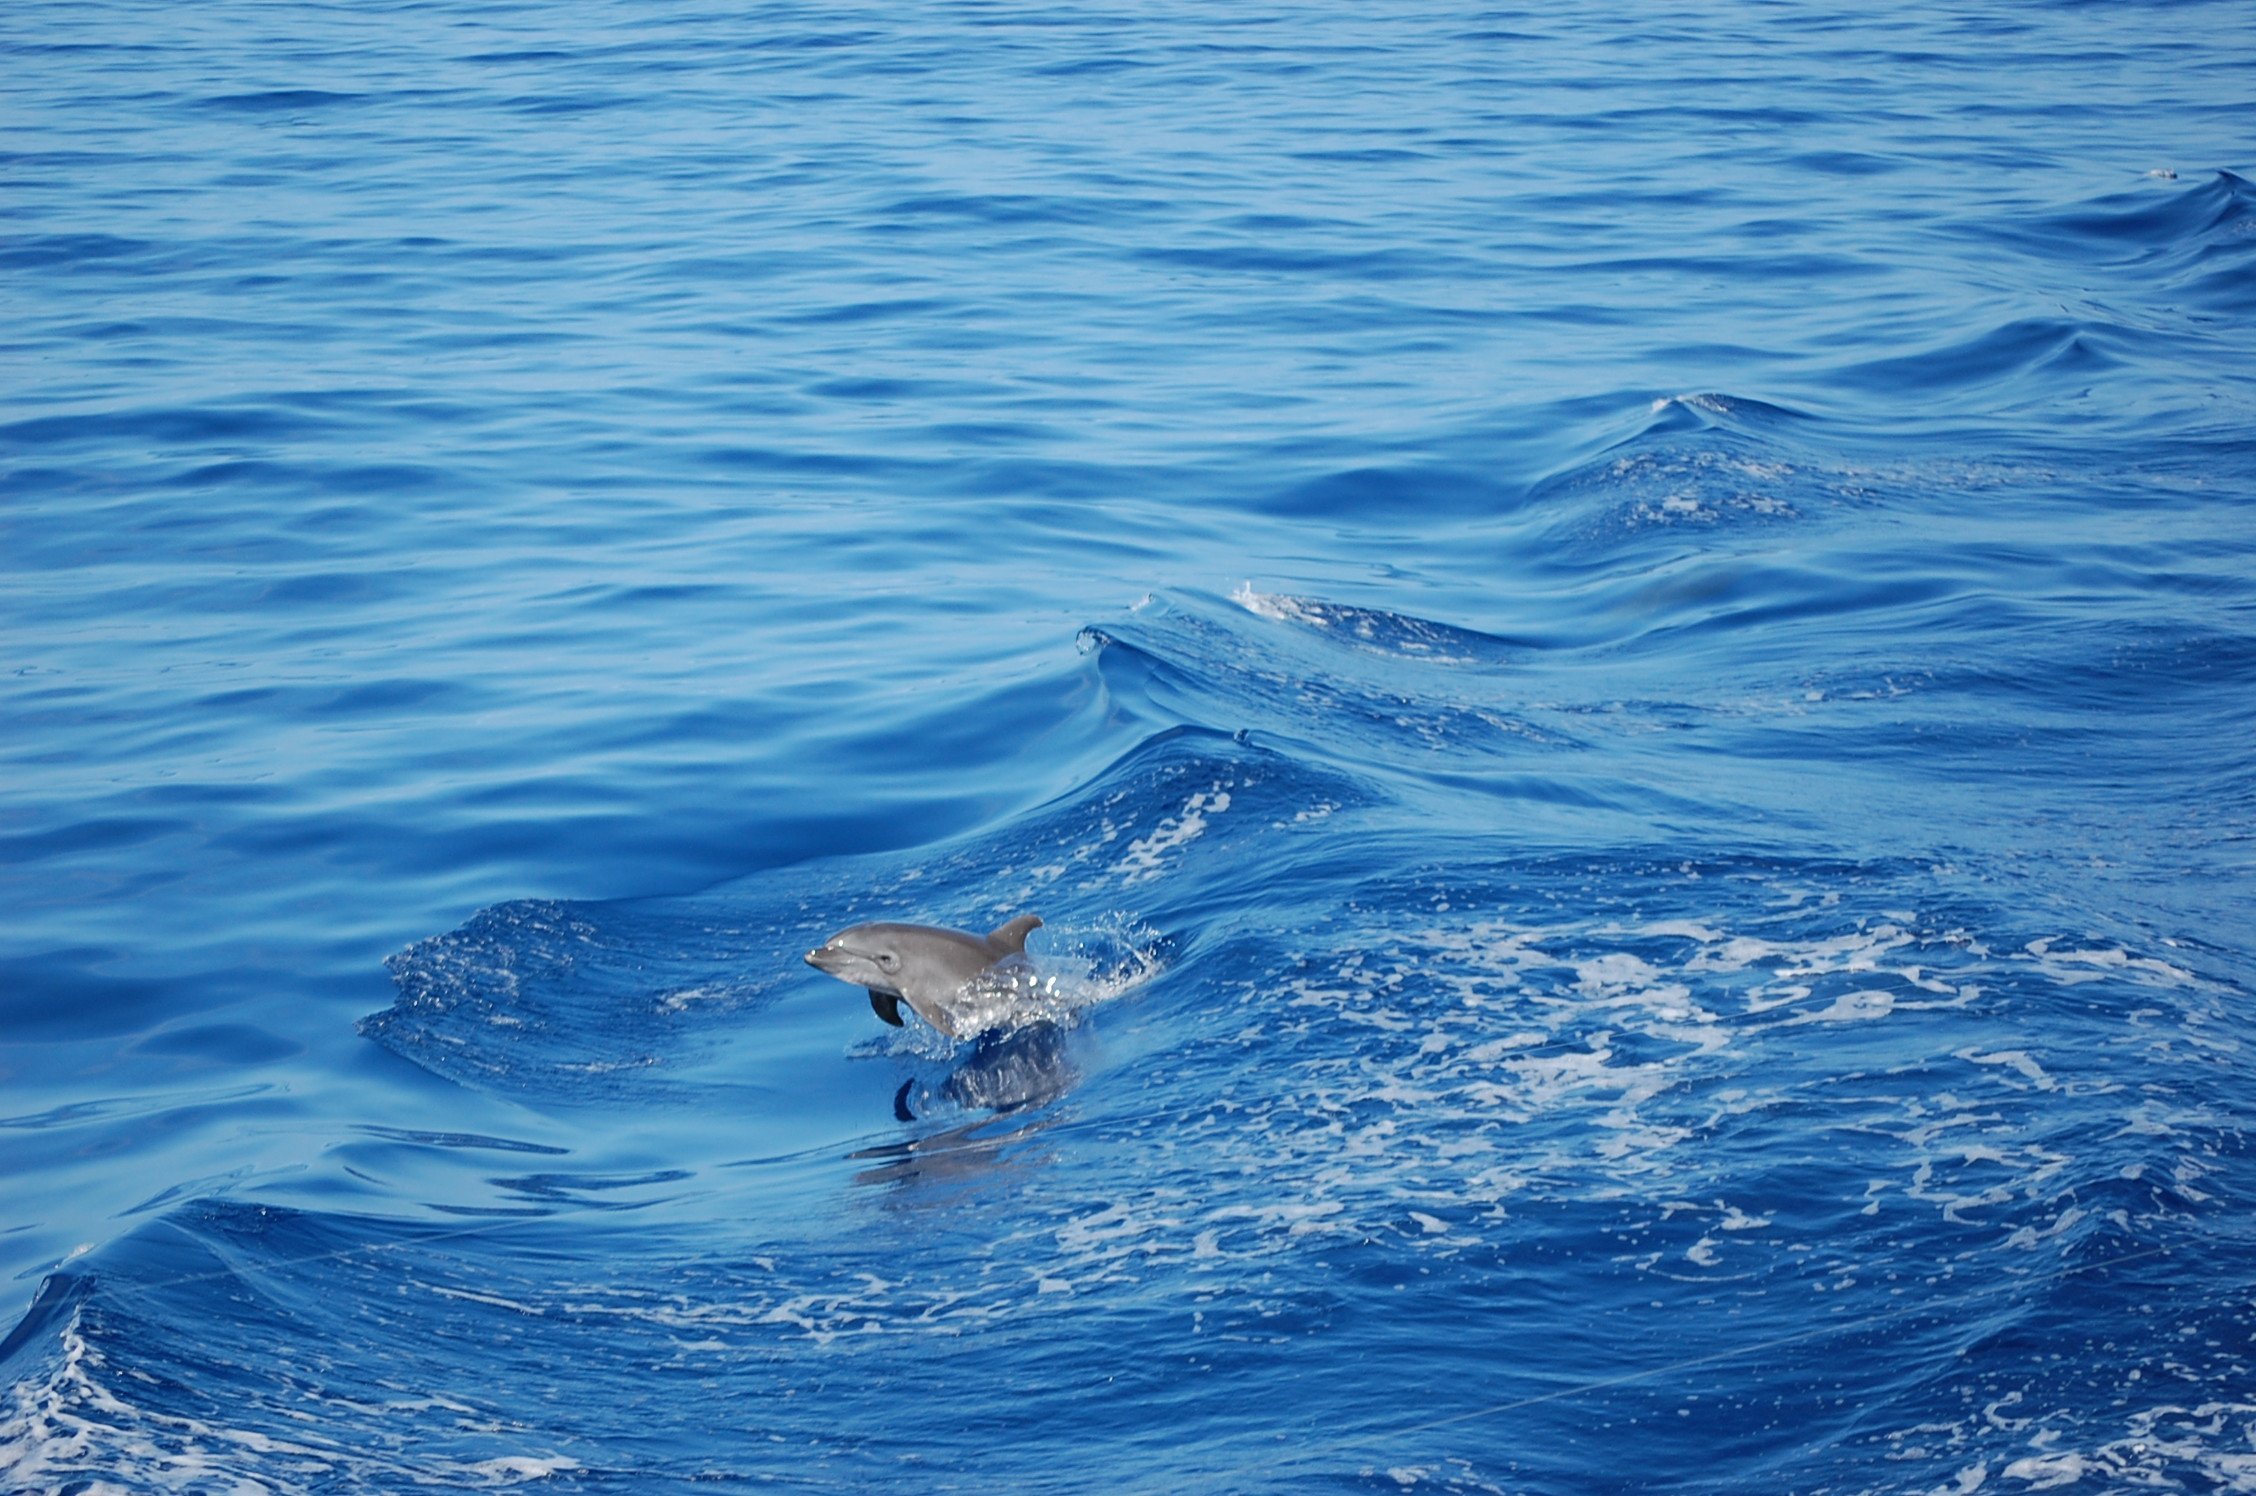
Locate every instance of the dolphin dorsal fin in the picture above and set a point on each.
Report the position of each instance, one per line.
(1009, 939)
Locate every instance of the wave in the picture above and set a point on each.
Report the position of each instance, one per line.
(2193, 240)
(608, 1004)
(1575, 1085)
(1335, 1030)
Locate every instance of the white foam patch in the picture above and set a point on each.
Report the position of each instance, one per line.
(82, 1428)
(1599, 1058)
(1279, 608)
(681, 999)
(2073, 967)
(1703, 487)
(1368, 629)
(1147, 856)
(2195, 1443)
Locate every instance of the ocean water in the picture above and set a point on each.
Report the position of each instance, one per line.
(1619, 645)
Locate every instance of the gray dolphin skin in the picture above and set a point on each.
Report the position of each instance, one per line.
(922, 965)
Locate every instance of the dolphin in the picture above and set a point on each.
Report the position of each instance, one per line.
(923, 965)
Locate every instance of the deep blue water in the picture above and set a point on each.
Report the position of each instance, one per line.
(1619, 647)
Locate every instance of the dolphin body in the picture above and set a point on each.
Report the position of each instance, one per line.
(923, 965)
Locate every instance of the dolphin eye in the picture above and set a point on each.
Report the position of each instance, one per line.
(888, 960)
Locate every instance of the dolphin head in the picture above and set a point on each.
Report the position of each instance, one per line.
(866, 955)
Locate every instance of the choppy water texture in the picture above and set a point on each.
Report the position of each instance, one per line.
(1620, 650)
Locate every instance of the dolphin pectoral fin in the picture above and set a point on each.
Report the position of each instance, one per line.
(886, 1005)
(1009, 939)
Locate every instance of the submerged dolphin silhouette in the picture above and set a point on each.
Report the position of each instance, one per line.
(923, 965)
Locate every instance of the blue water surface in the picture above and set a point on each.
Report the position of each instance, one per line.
(1619, 646)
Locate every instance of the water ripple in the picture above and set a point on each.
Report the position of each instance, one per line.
(1619, 653)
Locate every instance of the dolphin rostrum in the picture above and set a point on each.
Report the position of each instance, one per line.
(924, 965)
